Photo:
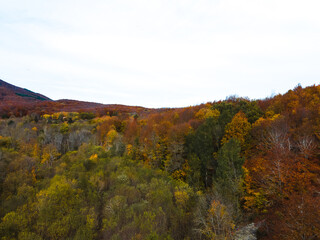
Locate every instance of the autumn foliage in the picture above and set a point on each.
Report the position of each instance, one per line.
(74, 170)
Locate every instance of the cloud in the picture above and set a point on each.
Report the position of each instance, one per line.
(176, 53)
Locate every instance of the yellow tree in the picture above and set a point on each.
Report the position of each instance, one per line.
(215, 223)
(238, 128)
(205, 113)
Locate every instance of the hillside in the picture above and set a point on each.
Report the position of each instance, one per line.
(13, 94)
(16, 101)
(233, 169)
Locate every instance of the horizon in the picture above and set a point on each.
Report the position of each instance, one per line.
(159, 54)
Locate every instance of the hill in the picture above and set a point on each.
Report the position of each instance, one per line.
(16, 101)
(14, 94)
(233, 169)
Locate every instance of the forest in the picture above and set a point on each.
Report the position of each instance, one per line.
(232, 169)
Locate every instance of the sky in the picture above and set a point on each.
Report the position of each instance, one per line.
(164, 53)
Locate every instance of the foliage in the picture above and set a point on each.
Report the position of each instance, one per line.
(238, 128)
(199, 172)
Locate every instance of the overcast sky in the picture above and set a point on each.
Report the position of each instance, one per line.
(159, 53)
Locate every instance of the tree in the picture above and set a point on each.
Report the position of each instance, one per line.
(203, 143)
(205, 113)
(230, 162)
(300, 217)
(213, 222)
(62, 213)
(229, 174)
(238, 128)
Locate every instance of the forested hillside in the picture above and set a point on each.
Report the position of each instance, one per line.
(20, 102)
(233, 169)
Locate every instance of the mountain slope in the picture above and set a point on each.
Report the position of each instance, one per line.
(11, 93)
(16, 101)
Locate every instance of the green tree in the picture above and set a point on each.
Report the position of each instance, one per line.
(62, 212)
(229, 174)
(203, 143)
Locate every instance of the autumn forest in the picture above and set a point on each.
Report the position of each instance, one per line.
(232, 169)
